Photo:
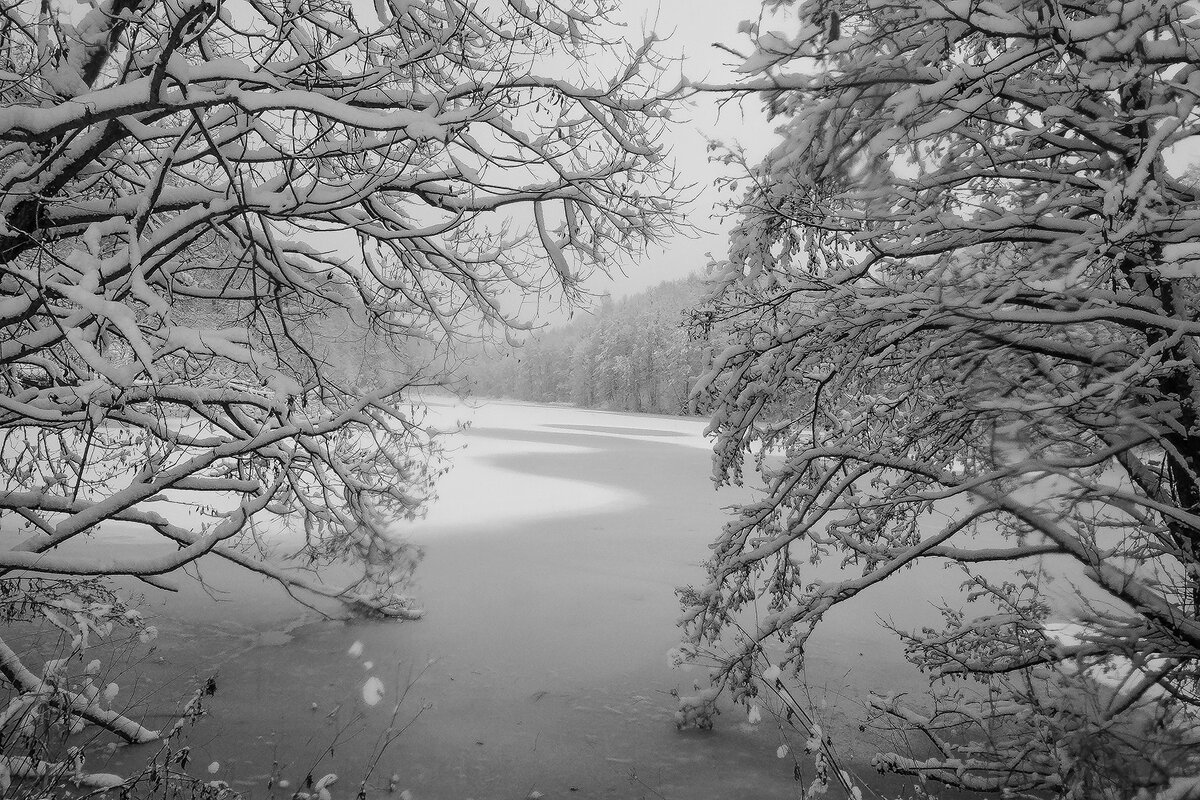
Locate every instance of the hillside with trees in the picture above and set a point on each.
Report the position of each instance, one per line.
(633, 354)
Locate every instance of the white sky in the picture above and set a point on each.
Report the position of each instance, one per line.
(692, 26)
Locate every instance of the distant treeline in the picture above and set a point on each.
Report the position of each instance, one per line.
(632, 354)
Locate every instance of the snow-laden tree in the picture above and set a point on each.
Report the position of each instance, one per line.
(222, 225)
(963, 298)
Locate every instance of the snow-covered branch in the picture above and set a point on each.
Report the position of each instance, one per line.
(234, 246)
(961, 299)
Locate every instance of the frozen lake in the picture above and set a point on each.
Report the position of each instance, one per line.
(541, 664)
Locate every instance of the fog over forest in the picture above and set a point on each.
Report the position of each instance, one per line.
(641, 353)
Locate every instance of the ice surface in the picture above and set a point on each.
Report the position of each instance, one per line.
(549, 576)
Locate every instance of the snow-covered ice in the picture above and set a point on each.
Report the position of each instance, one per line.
(372, 691)
(548, 582)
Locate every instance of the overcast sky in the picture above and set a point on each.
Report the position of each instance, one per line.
(692, 26)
